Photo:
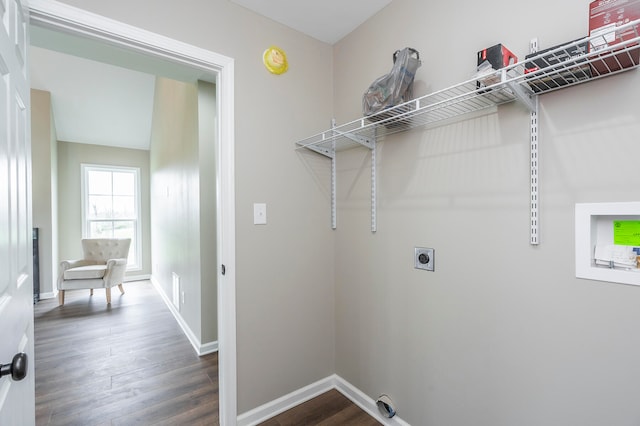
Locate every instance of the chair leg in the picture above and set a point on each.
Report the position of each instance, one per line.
(91, 292)
(121, 288)
(61, 297)
(108, 291)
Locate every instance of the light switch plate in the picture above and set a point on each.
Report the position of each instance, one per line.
(259, 214)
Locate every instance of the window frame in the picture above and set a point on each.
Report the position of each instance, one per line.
(86, 222)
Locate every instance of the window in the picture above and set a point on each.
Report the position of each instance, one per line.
(111, 206)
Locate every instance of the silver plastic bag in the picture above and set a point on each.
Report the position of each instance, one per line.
(393, 88)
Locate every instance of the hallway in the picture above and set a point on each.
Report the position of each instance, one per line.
(129, 363)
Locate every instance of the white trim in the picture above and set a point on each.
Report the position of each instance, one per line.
(365, 402)
(131, 278)
(49, 295)
(295, 398)
(208, 348)
(282, 404)
(201, 349)
(591, 221)
(64, 18)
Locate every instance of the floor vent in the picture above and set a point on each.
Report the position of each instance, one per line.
(176, 290)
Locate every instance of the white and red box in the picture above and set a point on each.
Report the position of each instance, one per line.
(499, 57)
(604, 17)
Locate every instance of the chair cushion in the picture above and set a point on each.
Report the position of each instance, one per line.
(85, 272)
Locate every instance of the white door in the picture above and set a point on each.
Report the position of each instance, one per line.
(17, 397)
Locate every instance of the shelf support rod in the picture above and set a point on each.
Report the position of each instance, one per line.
(533, 48)
(334, 220)
(374, 223)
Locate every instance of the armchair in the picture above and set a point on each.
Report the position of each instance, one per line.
(103, 266)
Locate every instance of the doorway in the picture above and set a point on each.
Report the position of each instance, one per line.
(130, 41)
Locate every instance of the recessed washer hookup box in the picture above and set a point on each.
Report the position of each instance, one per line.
(604, 17)
(560, 66)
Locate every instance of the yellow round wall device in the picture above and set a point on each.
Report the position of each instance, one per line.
(275, 60)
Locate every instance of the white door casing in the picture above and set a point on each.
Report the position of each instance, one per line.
(17, 397)
(65, 18)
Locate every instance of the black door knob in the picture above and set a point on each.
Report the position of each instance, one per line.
(17, 368)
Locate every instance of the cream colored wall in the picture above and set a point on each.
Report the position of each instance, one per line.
(502, 333)
(285, 275)
(44, 175)
(207, 155)
(175, 200)
(70, 158)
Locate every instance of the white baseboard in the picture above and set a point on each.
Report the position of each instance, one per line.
(201, 349)
(365, 402)
(144, 277)
(273, 408)
(51, 295)
(208, 348)
(284, 403)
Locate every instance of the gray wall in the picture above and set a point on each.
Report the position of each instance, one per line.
(285, 274)
(183, 201)
(175, 199)
(208, 236)
(70, 158)
(502, 333)
(45, 191)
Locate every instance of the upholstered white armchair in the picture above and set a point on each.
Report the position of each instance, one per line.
(103, 266)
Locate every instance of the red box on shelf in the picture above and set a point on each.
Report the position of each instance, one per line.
(499, 57)
(604, 17)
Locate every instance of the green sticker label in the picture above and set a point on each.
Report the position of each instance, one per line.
(626, 232)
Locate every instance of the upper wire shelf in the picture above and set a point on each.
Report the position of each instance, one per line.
(606, 53)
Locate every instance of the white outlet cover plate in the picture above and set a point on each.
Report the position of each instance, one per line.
(430, 265)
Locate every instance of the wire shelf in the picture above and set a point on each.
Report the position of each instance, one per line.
(577, 62)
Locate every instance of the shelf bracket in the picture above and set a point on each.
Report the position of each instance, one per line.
(529, 100)
(371, 144)
(334, 214)
(334, 220)
(533, 48)
(362, 140)
(374, 224)
(331, 153)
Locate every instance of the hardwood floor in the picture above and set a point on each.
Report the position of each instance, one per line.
(127, 364)
(329, 409)
(130, 364)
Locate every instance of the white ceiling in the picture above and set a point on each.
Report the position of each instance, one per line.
(325, 20)
(95, 100)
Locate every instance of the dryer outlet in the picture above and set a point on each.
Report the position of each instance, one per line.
(424, 258)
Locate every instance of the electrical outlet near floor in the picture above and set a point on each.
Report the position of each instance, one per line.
(424, 258)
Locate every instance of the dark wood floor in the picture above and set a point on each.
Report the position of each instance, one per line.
(130, 364)
(127, 364)
(329, 409)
